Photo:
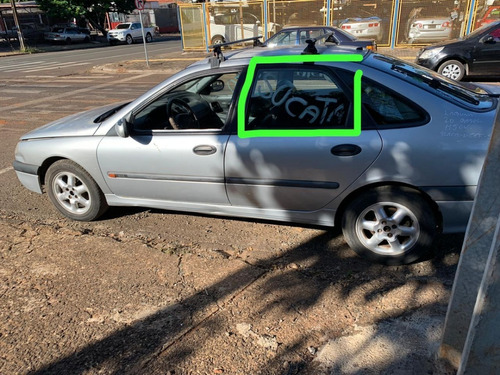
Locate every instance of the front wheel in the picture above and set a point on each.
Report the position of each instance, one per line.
(129, 39)
(74, 192)
(390, 225)
(452, 69)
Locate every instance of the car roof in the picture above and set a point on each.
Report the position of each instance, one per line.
(243, 56)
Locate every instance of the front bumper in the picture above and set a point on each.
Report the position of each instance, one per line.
(116, 38)
(28, 176)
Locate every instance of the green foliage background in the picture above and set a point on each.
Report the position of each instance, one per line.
(94, 11)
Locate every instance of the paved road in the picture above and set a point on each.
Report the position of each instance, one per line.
(67, 62)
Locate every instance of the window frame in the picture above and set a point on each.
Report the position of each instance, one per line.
(228, 126)
(293, 67)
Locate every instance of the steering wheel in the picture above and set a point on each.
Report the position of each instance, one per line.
(180, 115)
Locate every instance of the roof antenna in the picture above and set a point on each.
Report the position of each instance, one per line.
(218, 56)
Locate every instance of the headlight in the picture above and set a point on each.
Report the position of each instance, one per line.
(430, 53)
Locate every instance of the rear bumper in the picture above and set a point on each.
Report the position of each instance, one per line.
(456, 215)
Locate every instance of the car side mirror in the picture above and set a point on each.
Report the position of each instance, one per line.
(217, 85)
(488, 39)
(123, 126)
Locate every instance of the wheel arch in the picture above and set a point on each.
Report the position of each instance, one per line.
(457, 58)
(394, 184)
(42, 171)
(218, 36)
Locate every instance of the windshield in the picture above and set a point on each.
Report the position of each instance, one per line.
(123, 26)
(477, 31)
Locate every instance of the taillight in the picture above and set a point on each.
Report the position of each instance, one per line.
(346, 27)
(418, 25)
(373, 25)
(446, 24)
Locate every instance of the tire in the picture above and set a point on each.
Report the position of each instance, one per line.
(86, 39)
(129, 39)
(452, 69)
(112, 42)
(390, 225)
(218, 39)
(68, 40)
(149, 38)
(74, 192)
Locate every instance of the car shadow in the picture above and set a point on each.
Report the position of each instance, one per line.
(296, 282)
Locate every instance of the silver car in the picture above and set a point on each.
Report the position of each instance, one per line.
(280, 143)
(67, 35)
(429, 25)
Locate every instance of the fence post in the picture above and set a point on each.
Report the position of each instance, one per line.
(471, 16)
(204, 7)
(481, 353)
(474, 256)
(265, 21)
(394, 24)
(328, 12)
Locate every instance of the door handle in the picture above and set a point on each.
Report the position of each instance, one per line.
(346, 150)
(205, 150)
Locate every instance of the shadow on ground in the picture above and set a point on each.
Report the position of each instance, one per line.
(319, 290)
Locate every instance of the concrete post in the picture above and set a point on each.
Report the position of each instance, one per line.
(481, 353)
(473, 259)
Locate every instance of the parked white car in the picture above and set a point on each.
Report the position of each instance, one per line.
(228, 27)
(129, 32)
(66, 34)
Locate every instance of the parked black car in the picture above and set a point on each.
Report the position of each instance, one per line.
(477, 54)
(292, 36)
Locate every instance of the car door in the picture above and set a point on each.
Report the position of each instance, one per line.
(486, 53)
(296, 173)
(172, 155)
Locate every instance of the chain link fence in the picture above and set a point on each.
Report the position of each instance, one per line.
(397, 23)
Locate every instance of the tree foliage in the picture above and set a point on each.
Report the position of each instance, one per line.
(92, 10)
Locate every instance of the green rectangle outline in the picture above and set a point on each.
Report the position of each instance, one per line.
(245, 90)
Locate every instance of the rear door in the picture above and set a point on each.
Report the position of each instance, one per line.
(296, 173)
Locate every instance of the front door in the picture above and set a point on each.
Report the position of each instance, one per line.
(176, 148)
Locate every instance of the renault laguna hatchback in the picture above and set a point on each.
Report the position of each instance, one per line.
(389, 151)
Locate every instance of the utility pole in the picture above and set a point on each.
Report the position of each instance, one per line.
(16, 21)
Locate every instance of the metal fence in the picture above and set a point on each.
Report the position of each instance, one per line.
(395, 23)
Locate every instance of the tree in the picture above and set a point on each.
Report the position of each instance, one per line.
(93, 11)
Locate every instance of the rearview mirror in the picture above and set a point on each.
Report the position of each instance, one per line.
(122, 127)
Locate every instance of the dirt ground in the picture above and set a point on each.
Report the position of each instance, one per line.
(146, 292)
(153, 292)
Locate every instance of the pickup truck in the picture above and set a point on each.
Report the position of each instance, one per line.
(227, 27)
(129, 32)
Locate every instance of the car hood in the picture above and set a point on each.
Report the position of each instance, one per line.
(77, 125)
(446, 43)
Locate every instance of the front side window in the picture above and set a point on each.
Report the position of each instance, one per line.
(201, 103)
(296, 98)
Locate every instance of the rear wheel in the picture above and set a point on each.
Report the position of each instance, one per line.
(68, 40)
(452, 69)
(390, 225)
(149, 38)
(74, 192)
(86, 39)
